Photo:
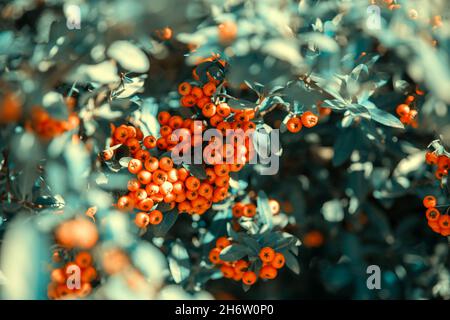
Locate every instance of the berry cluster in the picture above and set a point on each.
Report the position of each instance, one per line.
(47, 127)
(406, 113)
(439, 223)
(59, 287)
(248, 210)
(240, 270)
(306, 119)
(442, 162)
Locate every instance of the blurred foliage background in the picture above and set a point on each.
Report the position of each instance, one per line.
(350, 189)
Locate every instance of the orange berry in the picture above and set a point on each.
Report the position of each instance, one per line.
(209, 110)
(249, 278)
(221, 169)
(121, 134)
(309, 119)
(172, 175)
(197, 92)
(140, 194)
(89, 274)
(184, 88)
(159, 177)
(402, 109)
(249, 210)
(163, 117)
(107, 154)
(268, 272)
(431, 158)
(161, 143)
(278, 261)
(165, 163)
(267, 254)
(429, 202)
(241, 266)
(188, 101)
(58, 276)
(238, 210)
(133, 145)
(192, 183)
(144, 177)
(165, 131)
(214, 256)
(432, 214)
(444, 221)
(222, 242)
(151, 164)
(145, 204)
(135, 166)
(185, 206)
(209, 89)
(210, 175)
(133, 185)
(227, 271)
(443, 163)
(191, 195)
(294, 125)
(205, 190)
(183, 173)
(149, 142)
(125, 203)
(227, 32)
(142, 219)
(274, 206)
(175, 122)
(156, 217)
(152, 188)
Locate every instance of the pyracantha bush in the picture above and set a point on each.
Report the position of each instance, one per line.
(224, 149)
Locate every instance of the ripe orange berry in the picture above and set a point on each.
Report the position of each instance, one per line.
(443, 162)
(188, 101)
(183, 173)
(432, 214)
(149, 142)
(267, 254)
(274, 206)
(191, 195)
(142, 155)
(209, 110)
(144, 177)
(227, 32)
(156, 217)
(210, 175)
(431, 158)
(151, 164)
(440, 173)
(159, 177)
(241, 266)
(294, 125)
(121, 134)
(402, 109)
(249, 278)
(142, 219)
(197, 92)
(140, 194)
(309, 119)
(205, 190)
(192, 183)
(222, 242)
(444, 221)
(268, 272)
(165, 163)
(164, 33)
(107, 154)
(133, 185)
(184, 88)
(221, 169)
(429, 202)
(238, 210)
(227, 271)
(163, 117)
(214, 256)
(133, 144)
(249, 210)
(125, 203)
(135, 166)
(185, 206)
(209, 89)
(145, 204)
(278, 261)
(58, 276)
(89, 274)
(175, 122)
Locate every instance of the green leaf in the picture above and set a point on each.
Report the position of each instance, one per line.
(169, 219)
(179, 263)
(344, 146)
(196, 170)
(385, 118)
(264, 211)
(292, 262)
(233, 252)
